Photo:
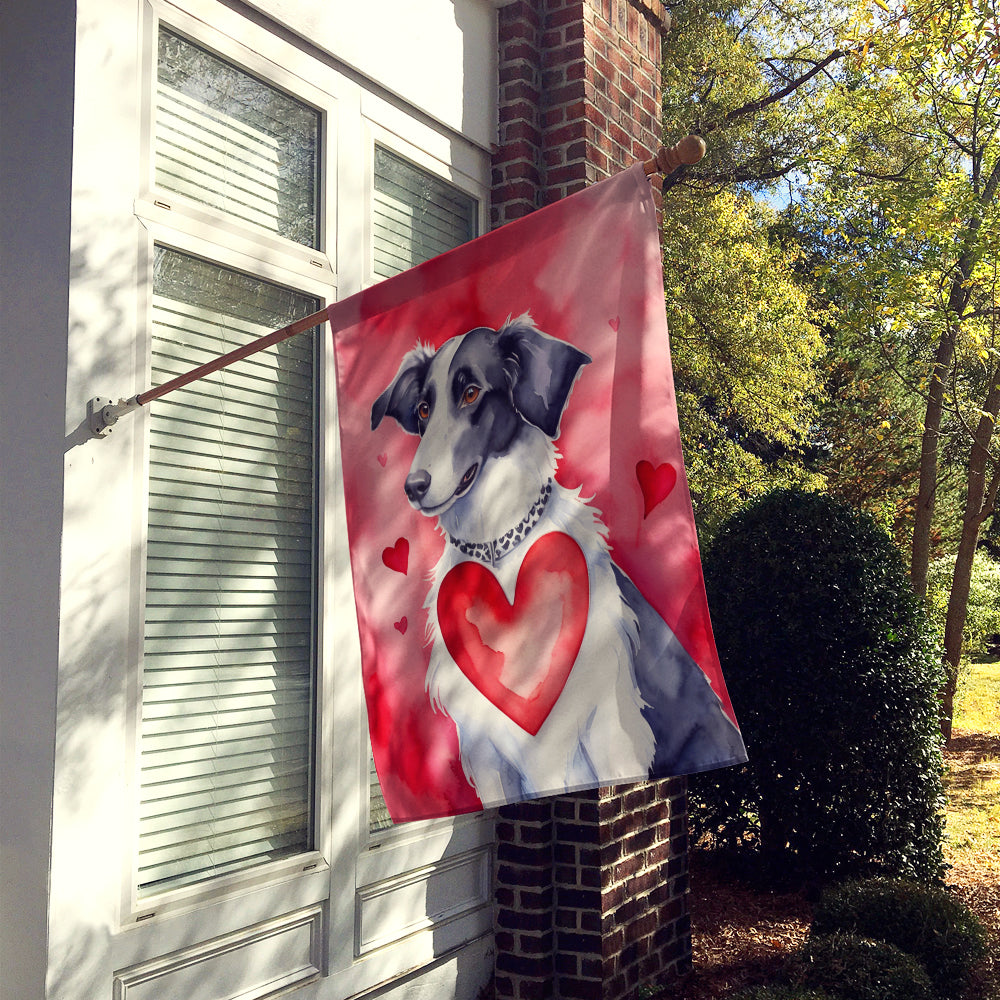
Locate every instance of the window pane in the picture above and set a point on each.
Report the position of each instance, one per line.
(228, 655)
(416, 217)
(228, 140)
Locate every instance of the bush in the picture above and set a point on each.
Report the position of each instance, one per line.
(782, 993)
(856, 968)
(925, 922)
(834, 674)
(982, 619)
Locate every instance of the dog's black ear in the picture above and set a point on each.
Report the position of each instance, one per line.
(542, 370)
(400, 399)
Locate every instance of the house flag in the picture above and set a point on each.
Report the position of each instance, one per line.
(529, 592)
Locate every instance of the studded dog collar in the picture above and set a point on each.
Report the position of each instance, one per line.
(493, 551)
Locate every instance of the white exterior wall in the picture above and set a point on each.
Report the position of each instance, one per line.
(430, 53)
(36, 119)
(74, 292)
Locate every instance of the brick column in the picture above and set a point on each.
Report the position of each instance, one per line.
(591, 893)
(579, 96)
(591, 889)
(524, 901)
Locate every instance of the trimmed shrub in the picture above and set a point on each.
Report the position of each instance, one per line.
(834, 673)
(926, 922)
(857, 968)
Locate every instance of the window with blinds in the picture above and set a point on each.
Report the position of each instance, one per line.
(229, 646)
(416, 216)
(228, 657)
(227, 140)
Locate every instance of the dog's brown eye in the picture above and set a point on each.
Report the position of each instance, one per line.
(423, 410)
(470, 395)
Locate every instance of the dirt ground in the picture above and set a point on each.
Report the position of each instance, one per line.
(742, 935)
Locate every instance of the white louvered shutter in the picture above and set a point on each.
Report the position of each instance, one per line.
(232, 142)
(416, 216)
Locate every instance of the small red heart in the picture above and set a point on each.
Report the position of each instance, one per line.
(519, 655)
(397, 557)
(656, 483)
(615, 323)
(401, 625)
(382, 459)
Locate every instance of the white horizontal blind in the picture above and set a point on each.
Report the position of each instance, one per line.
(228, 658)
(416, 216)
(228, 140)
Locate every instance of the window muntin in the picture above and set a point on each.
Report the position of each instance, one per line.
(228, 140)
(229, 677)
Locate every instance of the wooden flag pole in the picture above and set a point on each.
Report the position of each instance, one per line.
(260, 344)
(103, 413)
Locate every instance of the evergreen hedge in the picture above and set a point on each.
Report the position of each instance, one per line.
(856, 968)
(834, 672)
(779, 992)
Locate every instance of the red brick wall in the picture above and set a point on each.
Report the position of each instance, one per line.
(591, 889)
(591, 893)
(579, 96)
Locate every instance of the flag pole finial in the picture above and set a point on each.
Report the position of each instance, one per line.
(688, 151)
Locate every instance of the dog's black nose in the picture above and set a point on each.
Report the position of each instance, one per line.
(417, 484)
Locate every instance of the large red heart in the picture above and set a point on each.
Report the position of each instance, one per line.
(655, 483)
(519, 655)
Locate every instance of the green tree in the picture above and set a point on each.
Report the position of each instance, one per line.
(912, 191)
(869, 421)
(880, 123)
(747, 358)
(982, 620)
(747, 77)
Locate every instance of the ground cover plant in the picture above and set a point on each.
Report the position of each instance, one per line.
(851, 967)
(926, 922)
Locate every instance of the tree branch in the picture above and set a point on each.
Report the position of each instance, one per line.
(899, 176)
(754, 106)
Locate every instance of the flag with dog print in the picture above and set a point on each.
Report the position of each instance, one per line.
(526, 574)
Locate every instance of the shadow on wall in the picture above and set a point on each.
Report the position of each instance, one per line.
(93, 710)
(472, 974)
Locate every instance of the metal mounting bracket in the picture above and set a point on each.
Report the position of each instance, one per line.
(103, 413)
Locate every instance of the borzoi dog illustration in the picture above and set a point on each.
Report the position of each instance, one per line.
(575, 680)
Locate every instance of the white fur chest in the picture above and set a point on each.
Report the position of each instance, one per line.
(595, 729)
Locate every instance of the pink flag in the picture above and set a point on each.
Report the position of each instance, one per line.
(526, 571)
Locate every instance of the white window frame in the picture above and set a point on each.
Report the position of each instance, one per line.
(180, 224)
(185, 241)
(350, 875)
(391, 858)
(394, 132)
